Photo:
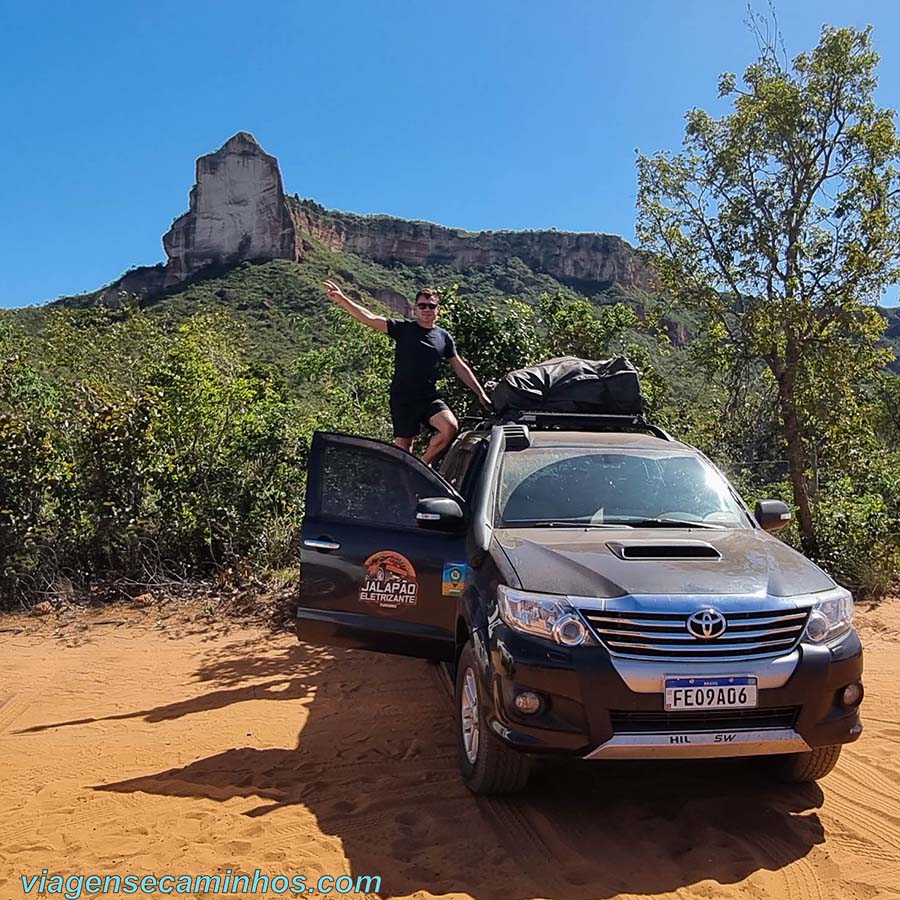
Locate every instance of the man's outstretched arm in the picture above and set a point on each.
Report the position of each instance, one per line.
(467, 377)
(360, 313)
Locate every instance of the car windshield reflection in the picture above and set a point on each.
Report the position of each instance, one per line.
(621, 488)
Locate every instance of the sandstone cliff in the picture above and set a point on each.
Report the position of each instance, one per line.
(237, 212)
(585, 261)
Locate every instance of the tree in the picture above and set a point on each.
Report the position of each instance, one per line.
(778, 224)
(578, 328)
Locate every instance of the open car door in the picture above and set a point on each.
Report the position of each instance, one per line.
(379, 570)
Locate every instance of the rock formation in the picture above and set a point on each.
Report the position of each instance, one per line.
(237, 212)
(585, 261)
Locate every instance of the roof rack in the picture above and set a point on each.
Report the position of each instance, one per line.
(538, 420)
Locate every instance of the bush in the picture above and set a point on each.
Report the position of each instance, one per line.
(145, 453)
(859, 539)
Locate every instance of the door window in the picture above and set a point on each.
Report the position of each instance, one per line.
(461, 469)
(357, 484)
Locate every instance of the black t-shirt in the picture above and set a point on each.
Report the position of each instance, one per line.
(417, 358)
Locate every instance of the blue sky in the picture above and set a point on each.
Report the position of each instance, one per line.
(476, 114)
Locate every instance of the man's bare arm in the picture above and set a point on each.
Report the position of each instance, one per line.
(360, 313)
(467, 377)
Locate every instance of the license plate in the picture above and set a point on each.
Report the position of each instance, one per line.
(729, 692)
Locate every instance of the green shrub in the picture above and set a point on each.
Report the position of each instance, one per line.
(140, 453)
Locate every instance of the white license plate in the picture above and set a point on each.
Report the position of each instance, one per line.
(696, 693)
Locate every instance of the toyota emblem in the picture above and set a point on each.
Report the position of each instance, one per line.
(706, 624)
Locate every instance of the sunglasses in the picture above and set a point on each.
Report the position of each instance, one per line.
(427, 305)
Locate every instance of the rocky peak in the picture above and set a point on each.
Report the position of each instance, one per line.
(237, 212)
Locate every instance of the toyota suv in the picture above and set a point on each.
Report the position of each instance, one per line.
(597, 589)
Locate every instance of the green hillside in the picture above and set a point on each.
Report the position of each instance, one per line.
(284, 308)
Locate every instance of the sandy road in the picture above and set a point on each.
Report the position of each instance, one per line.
(165, 746)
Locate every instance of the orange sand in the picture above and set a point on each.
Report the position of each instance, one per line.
(133, 743)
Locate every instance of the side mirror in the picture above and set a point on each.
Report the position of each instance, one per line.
(772, 515)
(440, 514)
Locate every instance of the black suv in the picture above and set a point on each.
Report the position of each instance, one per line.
(597, 588)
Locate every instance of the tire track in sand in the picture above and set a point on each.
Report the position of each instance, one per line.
(866, 822)
(801, 879)
(10, 709)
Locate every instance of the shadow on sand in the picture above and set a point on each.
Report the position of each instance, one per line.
(375, 763)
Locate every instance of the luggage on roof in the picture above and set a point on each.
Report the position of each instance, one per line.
(570, 384)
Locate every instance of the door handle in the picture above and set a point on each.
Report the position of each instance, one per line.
(321, 544)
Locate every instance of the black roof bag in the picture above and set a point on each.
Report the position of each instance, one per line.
(570, 384)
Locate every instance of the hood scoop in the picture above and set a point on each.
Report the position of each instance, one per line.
(663, 550)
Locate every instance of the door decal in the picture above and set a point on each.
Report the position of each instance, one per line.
(390, 581)
(453, 580)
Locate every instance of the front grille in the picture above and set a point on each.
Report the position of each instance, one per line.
(707, 720)
(659, 635)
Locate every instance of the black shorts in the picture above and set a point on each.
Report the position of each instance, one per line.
(409, 415)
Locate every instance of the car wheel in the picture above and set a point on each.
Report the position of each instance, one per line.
(488, 765)
(809, 766)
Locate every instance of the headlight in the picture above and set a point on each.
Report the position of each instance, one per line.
(549, 616)
(831, 616)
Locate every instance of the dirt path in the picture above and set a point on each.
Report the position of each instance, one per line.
(155, 747)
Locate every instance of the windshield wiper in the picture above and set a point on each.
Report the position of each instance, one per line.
(669, 523)
(562, 523)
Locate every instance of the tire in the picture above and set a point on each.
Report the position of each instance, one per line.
(797, 768)
(494, 768)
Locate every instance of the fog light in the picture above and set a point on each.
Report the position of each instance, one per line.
(852, 694)
(527, 702)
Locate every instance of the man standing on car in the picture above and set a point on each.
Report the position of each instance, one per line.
(421, 347)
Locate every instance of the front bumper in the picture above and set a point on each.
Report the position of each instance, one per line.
(697, 744)
(598, 706)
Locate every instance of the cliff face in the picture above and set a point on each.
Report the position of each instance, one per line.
(589, 261)
(237, 212)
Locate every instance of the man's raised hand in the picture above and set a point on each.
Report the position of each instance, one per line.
(333, 291)
(358, 312)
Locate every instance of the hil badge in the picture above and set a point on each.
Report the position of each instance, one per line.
(453, 580)
(390, 581)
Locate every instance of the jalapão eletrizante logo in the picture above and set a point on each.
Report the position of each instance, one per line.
(390, 581)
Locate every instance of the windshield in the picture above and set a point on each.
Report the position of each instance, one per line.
(641, 488)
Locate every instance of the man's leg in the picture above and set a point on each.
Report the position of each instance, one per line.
(447, 428)
(405, 425)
